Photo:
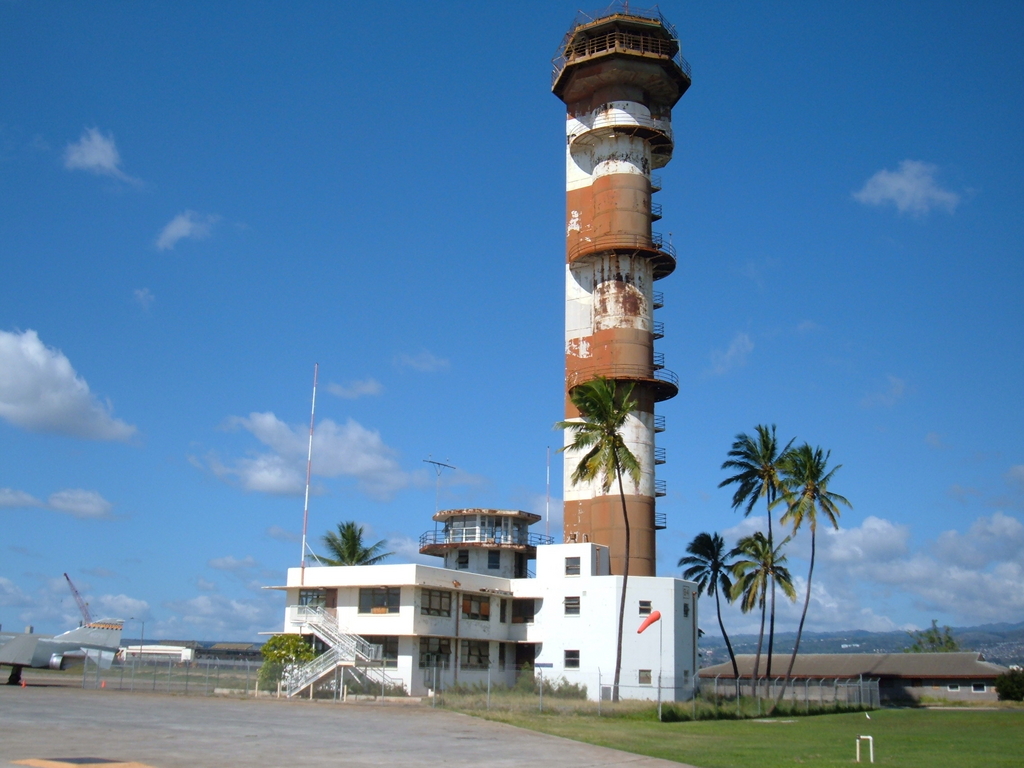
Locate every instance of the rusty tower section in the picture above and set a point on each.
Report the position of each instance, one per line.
(619, 75)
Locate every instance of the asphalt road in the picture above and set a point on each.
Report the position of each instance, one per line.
(47, 723)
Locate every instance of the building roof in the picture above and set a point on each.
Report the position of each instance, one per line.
(968, 664)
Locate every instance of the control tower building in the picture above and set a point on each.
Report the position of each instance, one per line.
(619, 75)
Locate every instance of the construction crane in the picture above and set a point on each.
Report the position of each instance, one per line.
(82, 605)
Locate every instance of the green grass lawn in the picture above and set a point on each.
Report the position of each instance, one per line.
(909, 738)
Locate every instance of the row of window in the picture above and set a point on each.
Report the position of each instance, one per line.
(473, 654)
(438, 602)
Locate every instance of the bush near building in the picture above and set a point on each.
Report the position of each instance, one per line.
(281, 651)
(1010, 685)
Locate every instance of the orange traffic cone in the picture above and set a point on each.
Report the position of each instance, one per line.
(23, 685)
(103, 684)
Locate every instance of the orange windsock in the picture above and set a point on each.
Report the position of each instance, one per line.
(655, 616)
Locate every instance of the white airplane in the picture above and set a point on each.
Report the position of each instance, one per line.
(98, 640)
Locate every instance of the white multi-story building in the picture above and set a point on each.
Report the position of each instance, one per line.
(484, 616)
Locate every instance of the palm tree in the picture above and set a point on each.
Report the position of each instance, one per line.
(757, 460)
(604, 407)
(709, 567)
(806, 494)
(346, 547)
(762, 566)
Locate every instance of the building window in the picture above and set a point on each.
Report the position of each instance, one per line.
(475, 654)
(501, 655)
(435, 652)
(572, 566)
(523, 611)
(493, 559)
(645, 607)
(572, 659)
(953, 687)
(462, 560)
(436, 602)
(572, 606)
(978, 687)
(686, 610)
(389, 648)
(645, 677)
(314, 598)
(476, 607)
(380, 599)
(503, 610)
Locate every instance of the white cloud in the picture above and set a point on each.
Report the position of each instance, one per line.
(41, 392)
(213, 616)
(143, 297)
(11, 595)
(911, 188)
(232, 564)
(1015, 475)
(887, 398)
(187, 224)
(355, 389)
(423, 361)
(10, 498)
(876, 540)
(96, 153)
(734, 357)
(278, 533)
(407, 550)
(80, 503)
(118, 607)
(339, 450)
(206, 586)
(989, 540)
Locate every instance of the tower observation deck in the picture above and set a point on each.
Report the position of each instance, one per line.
(619, 74)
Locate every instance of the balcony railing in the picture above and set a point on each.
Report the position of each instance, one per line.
(658, 329)
(658, 299)
(480, 535)
(659, 455)
(659, 360)
(660, 521)
(659, 423)
(655, 182)
(655, 211)
(660, 488)
(627, 372)
(575, 48)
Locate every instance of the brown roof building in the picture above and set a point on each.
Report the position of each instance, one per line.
(955, 676)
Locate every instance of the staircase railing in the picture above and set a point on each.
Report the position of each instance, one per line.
(343, 648)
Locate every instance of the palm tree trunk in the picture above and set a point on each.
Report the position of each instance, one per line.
(771, 634)
(721, 626)
(625, 583)
(771, 624)
(800, 629)
(757, 657)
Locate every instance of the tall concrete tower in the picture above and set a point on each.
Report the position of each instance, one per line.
(619, 76)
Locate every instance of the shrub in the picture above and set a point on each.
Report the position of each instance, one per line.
(1010, 685)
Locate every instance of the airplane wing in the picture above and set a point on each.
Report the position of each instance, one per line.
(19, 649)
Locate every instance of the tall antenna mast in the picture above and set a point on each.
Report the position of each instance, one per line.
(547, 498)
(439, 467)
(309, 466)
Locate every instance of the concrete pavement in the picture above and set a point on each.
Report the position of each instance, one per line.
(39, 723)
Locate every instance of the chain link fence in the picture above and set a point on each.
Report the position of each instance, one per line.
(204, 677)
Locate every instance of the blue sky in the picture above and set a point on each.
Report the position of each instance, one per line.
(202, 200)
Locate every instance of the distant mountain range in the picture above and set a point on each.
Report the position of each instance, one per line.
(1000, 643)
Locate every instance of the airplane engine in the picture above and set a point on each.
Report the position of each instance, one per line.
(57, 661)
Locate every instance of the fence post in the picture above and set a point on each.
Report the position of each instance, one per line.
(488, 685)
(540, 680)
